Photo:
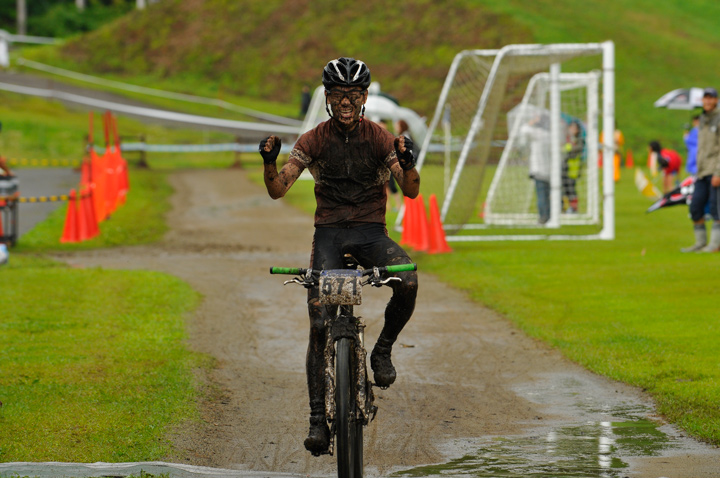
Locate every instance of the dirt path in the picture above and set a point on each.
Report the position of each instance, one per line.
(463, 371)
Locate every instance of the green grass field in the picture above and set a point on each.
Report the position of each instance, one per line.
(86, 352)
(98, 369)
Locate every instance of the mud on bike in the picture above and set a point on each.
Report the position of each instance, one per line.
(348, 390)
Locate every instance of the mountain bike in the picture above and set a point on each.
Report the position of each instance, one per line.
(348, 391)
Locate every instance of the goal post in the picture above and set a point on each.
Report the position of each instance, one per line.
(476, 161)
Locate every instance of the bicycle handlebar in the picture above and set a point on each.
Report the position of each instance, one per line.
(387, 269)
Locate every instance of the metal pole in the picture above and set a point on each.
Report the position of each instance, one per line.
(4, 50)
(555, 138)
(608, 230)
(80, 4)
(21, 17)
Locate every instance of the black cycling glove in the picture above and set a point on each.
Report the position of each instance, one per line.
(270, 157)
(406, 159)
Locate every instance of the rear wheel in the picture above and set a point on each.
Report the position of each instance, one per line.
(349, 430)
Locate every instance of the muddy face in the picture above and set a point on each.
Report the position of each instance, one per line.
(346, 104)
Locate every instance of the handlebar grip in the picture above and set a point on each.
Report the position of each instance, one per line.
(287, 270)
(402, 267)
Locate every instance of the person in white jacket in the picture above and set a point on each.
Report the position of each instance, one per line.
(536, 134)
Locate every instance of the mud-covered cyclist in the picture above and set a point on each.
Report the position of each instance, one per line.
(350, 159)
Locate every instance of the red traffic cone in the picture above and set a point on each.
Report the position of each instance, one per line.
(71, 219)
(124, 181)
(629, 162)
(423, 239)
(111, 180)
(97, 168)
(85, 174)
(408, 223)
(87, 214)
(438, 243)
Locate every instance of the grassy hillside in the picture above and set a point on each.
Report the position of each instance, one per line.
(270, 49)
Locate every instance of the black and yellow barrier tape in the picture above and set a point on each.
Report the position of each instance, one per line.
(44, 162)
(38, 199)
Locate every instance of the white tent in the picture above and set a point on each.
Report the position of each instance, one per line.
(681, 99)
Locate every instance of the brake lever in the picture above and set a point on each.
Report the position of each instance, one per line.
(294, 280)
(377, 282)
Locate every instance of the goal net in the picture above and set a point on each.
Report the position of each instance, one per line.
(506, 115)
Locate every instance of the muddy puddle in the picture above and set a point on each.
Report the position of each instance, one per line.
(588, 429)
(593, 449)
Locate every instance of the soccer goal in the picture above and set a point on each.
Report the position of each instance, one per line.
(482, 144)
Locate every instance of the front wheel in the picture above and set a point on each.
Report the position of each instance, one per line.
(349, 429)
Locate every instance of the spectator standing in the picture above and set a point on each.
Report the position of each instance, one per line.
(574, 150)
(536, 134)
(669, 161)
(691, 142)
(707, 183)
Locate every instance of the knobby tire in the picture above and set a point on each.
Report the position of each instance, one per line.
(349, 430)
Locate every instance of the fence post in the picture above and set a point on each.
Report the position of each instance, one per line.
(238, 153)
(143, 158)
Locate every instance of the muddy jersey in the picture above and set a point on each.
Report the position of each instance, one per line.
(350, 172)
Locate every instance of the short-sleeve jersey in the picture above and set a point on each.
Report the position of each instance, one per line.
(350, 171)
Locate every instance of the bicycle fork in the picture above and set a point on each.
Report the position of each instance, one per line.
(345, 325)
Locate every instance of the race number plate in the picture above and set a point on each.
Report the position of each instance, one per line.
(340, 287)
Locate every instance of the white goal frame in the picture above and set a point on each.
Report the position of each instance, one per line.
(555, 55)
(591, 214)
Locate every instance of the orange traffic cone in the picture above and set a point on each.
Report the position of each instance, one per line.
(97, 167)
(71, 219)
(87, 214)
(124, 181)
(629, 162)
(423, 239)
(85, 173)
(408, 223)
(438, 243)
(111, 180)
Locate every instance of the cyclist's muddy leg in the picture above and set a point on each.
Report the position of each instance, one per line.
(380, 250)
(324, 256)
(397, 313)
(318, 438)
(401, 305)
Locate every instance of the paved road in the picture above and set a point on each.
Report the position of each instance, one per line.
(42, 182)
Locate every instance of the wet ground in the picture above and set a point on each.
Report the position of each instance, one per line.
(474, 395)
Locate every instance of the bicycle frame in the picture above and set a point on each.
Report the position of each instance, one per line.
(340, 290)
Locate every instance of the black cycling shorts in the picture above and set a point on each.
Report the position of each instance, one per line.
(369, 244)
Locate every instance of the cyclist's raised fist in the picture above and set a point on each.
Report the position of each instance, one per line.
(404, 151)
(269, 149)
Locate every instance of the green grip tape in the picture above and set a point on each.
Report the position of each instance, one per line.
(285, 270)
(402, 268)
